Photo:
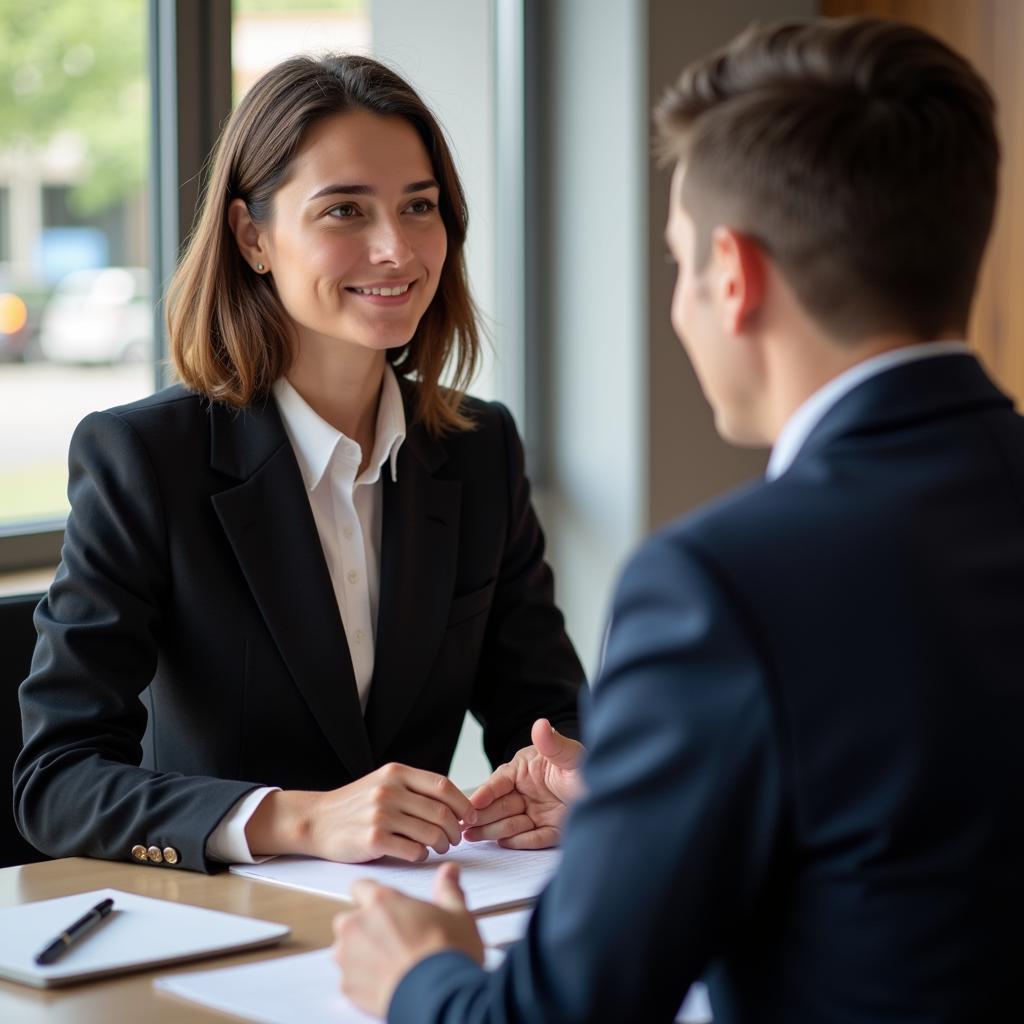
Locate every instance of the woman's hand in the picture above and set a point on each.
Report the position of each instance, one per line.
(396, 811)
(524, 803)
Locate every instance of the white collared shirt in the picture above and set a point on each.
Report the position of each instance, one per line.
(348, 508)
(800, 425)
(348, 512)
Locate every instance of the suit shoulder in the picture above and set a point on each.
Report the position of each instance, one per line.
(487, 415)
(175, 401)
(755, 514)
(169, 422)
(492, 427)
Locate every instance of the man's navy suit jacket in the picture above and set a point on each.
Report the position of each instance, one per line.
(804, 771)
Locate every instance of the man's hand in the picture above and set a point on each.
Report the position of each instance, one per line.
(396, 811)
(387, 934)
(523, 804)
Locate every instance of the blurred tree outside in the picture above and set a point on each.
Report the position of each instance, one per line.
(68, 66)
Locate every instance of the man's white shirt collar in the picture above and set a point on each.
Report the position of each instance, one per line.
(315, 441)
(800, 425)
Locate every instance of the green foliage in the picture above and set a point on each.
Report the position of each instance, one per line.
(79, 66)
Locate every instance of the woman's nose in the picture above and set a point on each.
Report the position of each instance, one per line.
(389, 243)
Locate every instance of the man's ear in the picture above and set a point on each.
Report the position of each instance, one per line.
(738, 277)
(248, 236)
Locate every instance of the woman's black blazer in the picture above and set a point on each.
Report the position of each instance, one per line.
(191, 647)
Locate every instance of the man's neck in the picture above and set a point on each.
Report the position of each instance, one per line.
(798, 369)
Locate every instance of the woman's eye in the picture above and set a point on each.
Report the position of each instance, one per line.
(422, 206)
(344, 211)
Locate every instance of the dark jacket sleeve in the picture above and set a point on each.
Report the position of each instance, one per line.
(528, 668)
(667, 855)
(79, 788)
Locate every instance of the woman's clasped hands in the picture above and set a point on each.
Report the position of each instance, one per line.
(395, 811)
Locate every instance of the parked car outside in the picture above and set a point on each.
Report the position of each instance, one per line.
(99, 316)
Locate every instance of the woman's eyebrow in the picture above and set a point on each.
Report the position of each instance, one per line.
(369, 190)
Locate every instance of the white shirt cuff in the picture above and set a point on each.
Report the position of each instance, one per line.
(227, 842)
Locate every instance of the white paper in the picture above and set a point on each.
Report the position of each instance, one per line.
(491, 876)
(301, 988)
(304, 989)
(696, 1008)
(138, 932)
(504, 929)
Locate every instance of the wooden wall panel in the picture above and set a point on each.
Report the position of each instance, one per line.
(990, 33)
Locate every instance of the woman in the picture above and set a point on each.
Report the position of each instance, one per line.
(301, 566)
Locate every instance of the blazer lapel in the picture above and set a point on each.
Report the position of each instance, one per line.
(419, 551)
(269, 524)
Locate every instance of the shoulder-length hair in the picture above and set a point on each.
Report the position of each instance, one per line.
(230, 336)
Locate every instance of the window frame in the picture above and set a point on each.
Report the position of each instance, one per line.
(190, 97)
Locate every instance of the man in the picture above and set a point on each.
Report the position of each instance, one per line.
(802, 779)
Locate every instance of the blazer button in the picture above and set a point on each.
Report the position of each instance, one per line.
(170, 855)
(154, 854)
(139, 853)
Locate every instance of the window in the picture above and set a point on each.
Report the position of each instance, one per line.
(75, 334)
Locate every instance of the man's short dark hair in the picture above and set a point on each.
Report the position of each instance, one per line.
(860, 154)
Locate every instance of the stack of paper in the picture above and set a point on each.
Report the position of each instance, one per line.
(491, 876)
(305, 989)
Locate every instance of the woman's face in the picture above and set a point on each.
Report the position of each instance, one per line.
(356, 243)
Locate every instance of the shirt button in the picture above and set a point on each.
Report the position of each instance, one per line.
(353, 576)
(348, 531)
(360, 636)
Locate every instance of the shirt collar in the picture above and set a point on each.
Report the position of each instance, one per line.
(315, 441)
(802, 422)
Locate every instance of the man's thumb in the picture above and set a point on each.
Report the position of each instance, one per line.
(447, 892)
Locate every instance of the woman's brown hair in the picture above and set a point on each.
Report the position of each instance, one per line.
(230, 336)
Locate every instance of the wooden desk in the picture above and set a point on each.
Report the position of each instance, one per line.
(131, 997)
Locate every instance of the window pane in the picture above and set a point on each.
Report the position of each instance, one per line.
(75, 296)
(265, 32)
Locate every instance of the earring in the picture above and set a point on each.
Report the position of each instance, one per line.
(260, 268)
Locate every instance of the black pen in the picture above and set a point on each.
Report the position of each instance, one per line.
(75, 931)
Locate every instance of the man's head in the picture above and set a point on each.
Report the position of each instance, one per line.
(851, 163)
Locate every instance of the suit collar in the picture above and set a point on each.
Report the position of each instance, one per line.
(419, 557)
(315, 441)
(802, 422)
(906, 394)
(268, 521)
(242, 440)
(429, 453)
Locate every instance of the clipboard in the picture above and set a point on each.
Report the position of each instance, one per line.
(139, 932)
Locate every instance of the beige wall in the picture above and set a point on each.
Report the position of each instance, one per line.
(687, 462)
(631, 441)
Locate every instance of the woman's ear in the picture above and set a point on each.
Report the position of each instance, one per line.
(248, 236)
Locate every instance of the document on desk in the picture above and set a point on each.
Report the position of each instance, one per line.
(139, 932)
(491, 876)
(303, 989)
